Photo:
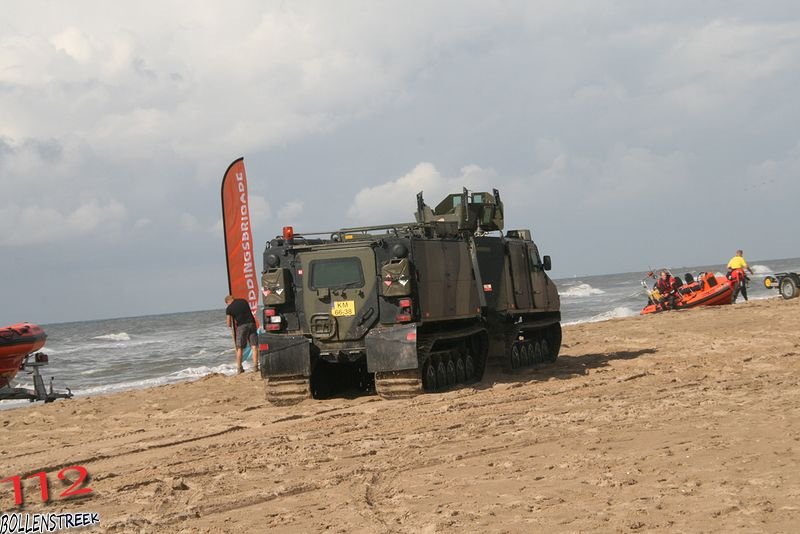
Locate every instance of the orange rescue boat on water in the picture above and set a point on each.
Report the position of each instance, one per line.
(16, 342)
(707, 290)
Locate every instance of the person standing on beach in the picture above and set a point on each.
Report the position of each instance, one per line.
(736, 268)
(241, 319)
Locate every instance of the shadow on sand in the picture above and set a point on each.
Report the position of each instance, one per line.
(564, 368)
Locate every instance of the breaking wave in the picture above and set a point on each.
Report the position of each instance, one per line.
(184, 375)
(761, 269)
(581, 290)
(122, 336)
(616, 313)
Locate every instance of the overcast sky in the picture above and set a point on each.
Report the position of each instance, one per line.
(624, 134)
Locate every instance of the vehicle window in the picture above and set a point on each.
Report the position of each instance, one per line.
(336, 273)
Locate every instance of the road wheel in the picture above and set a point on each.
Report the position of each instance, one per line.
(545, 351)
(469, 366)
(441, 375)
(461, 370)
(516, 357)
(553, 338)
(429, 377)
(451, 372)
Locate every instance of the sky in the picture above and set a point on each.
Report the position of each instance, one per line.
(623, 134)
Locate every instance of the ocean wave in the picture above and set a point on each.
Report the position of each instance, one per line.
(89, 347)
(616, 313)
(122, 336)
(581, 290)
(761, 269)
(184, 375)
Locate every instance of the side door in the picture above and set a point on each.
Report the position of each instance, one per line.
(538, 278)
(520, 278)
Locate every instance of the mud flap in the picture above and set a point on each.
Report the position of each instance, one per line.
(392, 349)
(286, 355)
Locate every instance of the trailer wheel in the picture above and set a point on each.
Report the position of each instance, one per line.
(788, 288)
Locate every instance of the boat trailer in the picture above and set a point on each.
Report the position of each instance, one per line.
(39, 391)
(787, 284)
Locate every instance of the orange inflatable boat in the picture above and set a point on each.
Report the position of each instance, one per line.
(16, 342)
(707, 290)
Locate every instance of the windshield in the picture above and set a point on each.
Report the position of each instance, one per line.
(336, 273)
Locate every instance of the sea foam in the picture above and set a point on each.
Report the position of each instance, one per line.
(122, 336)
(616, 313)
(581, 290)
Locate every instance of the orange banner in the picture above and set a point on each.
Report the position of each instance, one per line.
(239, 254)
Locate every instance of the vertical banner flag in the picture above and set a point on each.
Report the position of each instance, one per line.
(242, 279)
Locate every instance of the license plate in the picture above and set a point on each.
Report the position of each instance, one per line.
(344, 308)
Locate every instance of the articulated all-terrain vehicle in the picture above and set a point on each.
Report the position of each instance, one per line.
(405, 308)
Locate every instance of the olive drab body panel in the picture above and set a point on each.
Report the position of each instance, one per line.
(405, 308)
(446, 285)
(340, 301)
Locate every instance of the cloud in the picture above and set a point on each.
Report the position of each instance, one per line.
(580, 114)
(289, 212)
(775, 176)
(260, 211)
(34, 224)
(74, 43)
(393, 201)
(189, 223)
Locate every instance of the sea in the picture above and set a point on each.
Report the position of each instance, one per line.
(108, 355)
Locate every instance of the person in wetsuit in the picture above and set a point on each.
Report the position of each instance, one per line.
(736, 271)
(667, 286)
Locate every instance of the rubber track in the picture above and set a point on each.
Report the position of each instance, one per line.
(403, 384)
(398, 384)
(286, 391)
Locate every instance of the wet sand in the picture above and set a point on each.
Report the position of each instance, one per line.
(686, 421)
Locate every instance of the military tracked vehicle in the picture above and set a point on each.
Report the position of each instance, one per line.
(405, 308)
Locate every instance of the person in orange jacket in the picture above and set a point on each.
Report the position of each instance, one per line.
(667, 285)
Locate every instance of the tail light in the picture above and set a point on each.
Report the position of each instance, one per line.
(270, 312)
(406, 313)
(263, 347)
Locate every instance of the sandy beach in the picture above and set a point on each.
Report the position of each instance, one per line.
(685, 421)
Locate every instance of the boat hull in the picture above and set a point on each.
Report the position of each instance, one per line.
(16, 342)
(718, 292)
